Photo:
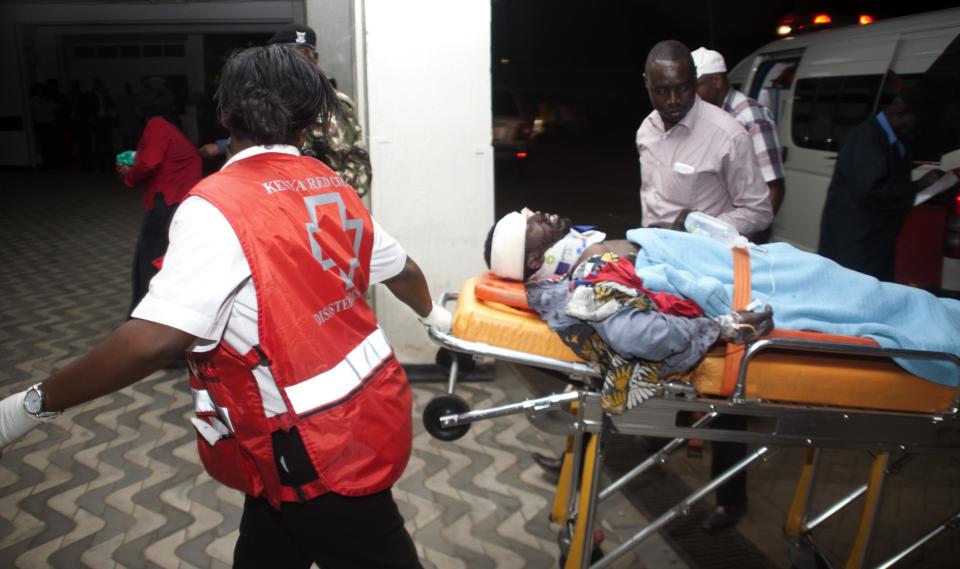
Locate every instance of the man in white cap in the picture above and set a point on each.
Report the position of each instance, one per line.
(714, 88)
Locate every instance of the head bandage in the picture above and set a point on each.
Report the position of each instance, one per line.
(708, 61)
(507, 246)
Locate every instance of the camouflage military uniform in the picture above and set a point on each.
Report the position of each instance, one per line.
(342, 148)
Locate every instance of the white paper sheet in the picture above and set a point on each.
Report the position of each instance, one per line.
(945, 182)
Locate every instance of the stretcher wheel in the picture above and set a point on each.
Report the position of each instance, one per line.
(439, 407)
(465, 362)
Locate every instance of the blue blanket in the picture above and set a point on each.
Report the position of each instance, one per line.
(807, 292)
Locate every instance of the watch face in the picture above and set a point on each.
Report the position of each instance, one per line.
(32, 402)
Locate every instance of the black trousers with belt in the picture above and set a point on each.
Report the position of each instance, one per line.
(151, 243)
(333, 531)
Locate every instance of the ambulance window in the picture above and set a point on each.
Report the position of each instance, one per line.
(772, 83)
(893, 84)
(825, 108)
(856, 103)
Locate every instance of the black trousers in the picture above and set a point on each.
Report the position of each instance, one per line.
(151, 243)
(725, 455)
(333, 531)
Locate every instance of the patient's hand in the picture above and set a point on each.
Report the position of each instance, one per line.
(678, 223)
(745, 326)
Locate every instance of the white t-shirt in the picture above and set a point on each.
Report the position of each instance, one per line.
(205, 287)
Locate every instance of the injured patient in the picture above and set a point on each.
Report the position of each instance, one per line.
(601, 310)
(660, 298)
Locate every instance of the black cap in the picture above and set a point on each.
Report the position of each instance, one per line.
(918, 101)
(295, 34)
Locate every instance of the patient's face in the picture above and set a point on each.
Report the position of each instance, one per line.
(543, 230)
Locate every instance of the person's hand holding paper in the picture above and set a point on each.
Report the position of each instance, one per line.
(931, 188)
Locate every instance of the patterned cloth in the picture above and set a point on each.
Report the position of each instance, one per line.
(626, 382)
(341, 147)
(621, 330)
(759, 122)
(621, 271)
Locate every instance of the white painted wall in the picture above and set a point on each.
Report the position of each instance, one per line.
(427, 80)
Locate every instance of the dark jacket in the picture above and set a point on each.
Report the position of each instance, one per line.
(868, 199)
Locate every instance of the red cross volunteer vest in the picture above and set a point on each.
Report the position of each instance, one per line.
(347, 425)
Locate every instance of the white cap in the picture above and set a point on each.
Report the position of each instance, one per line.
(708, 61)
(507, 246)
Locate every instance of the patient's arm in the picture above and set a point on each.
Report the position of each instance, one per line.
(648, 334)
(621, 247)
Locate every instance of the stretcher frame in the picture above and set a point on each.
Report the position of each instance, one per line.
(579, 413)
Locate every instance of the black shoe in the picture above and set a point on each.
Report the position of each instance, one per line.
(723, 517)
(549, 464)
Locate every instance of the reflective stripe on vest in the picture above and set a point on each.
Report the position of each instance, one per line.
(336, 383)
(211, 428)
(202, 402)
(203, 405)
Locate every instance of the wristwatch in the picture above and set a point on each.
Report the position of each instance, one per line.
(33, 403)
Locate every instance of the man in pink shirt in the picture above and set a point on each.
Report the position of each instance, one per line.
(694, 156)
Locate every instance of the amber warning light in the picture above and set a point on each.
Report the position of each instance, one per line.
(822, 19)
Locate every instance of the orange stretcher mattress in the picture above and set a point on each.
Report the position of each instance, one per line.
(781, 376)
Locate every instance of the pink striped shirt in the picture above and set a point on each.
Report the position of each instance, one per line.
(705, 162)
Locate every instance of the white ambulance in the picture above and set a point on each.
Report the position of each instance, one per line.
(821, 84)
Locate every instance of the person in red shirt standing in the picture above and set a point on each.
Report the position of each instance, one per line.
(166, 165)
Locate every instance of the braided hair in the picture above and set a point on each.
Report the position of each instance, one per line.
(269, 94)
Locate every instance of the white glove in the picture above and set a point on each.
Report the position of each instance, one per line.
(14, 419)
(439, 318)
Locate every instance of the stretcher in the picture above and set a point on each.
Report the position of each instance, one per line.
(810, 390)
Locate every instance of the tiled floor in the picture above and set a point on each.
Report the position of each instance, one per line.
(924, 493)
(116, 482)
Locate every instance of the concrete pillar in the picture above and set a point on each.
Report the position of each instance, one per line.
(427, 75)
(334, 24)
